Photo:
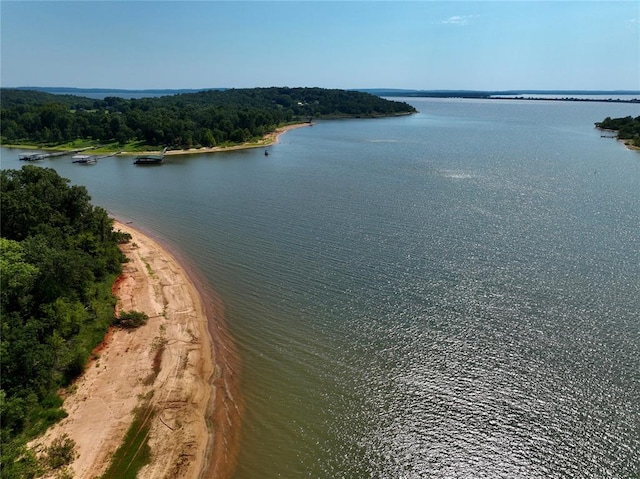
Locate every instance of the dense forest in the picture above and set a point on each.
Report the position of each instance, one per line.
(628, 128)
(59, 257)
(206, 118)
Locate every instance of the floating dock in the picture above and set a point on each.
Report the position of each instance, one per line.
(33, 157)
(150, 159)
(42, 156)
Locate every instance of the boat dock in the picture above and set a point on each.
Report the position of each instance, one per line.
(150, 159)
(109, 155)
(33, 157)
(42, 156)
(90, 159)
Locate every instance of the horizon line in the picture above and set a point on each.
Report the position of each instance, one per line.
(510, 90)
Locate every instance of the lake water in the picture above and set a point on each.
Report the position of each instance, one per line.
(449, 294)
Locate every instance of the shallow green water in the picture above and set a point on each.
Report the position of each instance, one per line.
(450, 294)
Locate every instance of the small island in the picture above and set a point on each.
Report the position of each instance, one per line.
(627, 128)
(185, 121)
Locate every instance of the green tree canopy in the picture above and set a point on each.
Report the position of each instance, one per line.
(58, 257)
(627, 128)
(203, 118)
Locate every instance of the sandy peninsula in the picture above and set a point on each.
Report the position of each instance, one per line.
(170, 366)
(266, 140)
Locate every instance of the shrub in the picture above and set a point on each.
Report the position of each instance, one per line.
(131, 319)
(121, 237)
(61, 452)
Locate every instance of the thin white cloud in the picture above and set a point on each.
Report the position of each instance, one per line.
(458, 20)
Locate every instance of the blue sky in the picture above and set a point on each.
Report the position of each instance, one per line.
(359, 44)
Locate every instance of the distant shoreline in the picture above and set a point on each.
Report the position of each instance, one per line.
(101, 93)
(598, 100)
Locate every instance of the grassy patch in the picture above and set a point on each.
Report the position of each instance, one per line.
(97, 148)
(134, 452)
(21, 146)
(149, 270)
(132, 146)
(75, 145)
(69, 146)
(157, 348)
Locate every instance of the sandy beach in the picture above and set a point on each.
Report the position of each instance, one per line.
(166, 366)
(268, 139)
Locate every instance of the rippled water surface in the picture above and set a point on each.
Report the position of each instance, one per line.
(450, 294)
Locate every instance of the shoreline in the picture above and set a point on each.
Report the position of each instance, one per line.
(225, 405)
(628, 143)
(179, 367)
(267, 140)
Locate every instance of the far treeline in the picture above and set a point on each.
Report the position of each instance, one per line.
(206, 118)
(59, 257)
(627, 128)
